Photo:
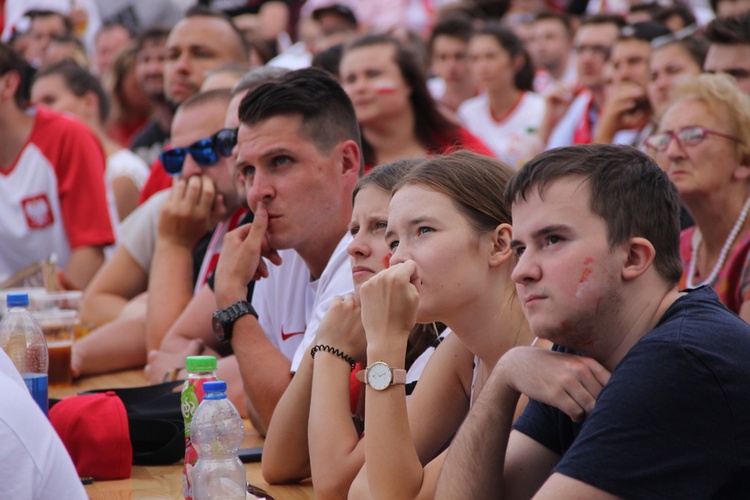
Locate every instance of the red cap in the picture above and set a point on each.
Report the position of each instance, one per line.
(94, 429)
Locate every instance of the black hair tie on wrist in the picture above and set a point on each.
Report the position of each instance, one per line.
(335, 352)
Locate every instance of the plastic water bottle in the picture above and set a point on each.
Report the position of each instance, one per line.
(201, 369)
(22, 339)
(217, 434)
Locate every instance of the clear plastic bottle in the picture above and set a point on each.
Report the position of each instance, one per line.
(201, 369)
(217, 434)
(22, 339)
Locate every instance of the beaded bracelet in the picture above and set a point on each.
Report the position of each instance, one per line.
(335, 352)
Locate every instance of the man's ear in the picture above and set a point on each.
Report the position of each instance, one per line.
(9, 82)
(91, 100)
(501, 251)
(742, 172)
(350, 157)
(639, 258)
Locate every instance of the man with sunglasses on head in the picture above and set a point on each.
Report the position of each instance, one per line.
(171, 243)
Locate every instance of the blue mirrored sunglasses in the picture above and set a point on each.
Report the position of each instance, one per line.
(206, 152)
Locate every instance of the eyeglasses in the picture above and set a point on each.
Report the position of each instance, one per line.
(206, 152)
(598, 50)
(687, 136)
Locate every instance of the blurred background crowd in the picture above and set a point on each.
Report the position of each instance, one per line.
(504, 78)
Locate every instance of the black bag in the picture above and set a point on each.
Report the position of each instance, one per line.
(157, 430)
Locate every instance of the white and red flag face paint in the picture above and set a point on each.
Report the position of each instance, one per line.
(385, 87)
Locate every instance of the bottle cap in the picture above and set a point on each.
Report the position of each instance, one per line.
(200, 363)
(215, 386)
(18, 299)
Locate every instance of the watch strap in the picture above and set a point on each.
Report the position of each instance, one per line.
(227, 317)
(239, 309)
(398, 375)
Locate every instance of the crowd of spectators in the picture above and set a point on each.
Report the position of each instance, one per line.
(138, 140)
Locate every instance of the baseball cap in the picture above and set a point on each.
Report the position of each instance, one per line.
(338, 9)
(645, 30)
(96, 433)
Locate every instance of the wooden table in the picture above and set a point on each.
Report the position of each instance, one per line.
(165, 481)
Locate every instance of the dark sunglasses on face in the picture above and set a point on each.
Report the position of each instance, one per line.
(206, 152)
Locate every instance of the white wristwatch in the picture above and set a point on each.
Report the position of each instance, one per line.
(380, 376)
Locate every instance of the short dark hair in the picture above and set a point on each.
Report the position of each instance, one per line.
(629, 192)
(37, 13)
(652, 9)
(80, 82)
(560, 17)
(715, 4)
(327, 114)
(110, 25)
(455, 26)
(694, 46)
(10, 60)
(680, 10)
(509, 41)
(152, 34)
(729, 31)
(599, 19)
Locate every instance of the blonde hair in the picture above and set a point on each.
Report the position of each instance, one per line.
(725, 99)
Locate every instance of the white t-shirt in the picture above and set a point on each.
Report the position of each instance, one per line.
(125, 163)
(544, 83)
(53, 198)
(514, 138)
(290, 305)
(139, 229)
(36, 464)
(564, 132)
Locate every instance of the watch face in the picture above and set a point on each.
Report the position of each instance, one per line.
(379, 376)
(216, 324)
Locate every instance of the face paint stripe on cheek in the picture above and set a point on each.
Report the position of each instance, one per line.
(387, 261)
(586, 270)
(585, 275)
(385, 87)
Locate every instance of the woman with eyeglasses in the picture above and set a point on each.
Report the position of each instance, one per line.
(703, 143)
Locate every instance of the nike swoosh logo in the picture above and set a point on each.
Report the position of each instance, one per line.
(287, 336)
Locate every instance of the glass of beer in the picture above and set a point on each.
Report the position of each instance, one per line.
(51, 301)
(59, 330)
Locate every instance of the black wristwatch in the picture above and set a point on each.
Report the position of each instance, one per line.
(223, 320)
